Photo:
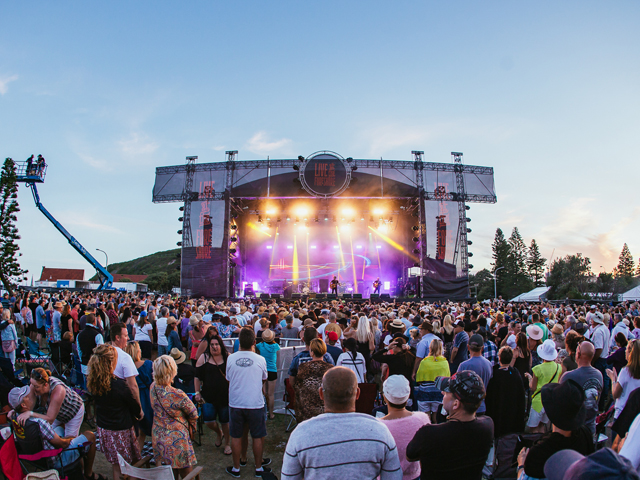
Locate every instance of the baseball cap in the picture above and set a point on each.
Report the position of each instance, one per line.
(332, 336)
(17, 394)
(476, 340)
(143, 313)
(602, 465)
(466, 385)
(396, 389)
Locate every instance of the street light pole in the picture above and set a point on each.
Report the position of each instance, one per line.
(495, 285)
(107, 256)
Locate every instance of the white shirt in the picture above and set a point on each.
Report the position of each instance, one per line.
(628, 384)
(125, 367)
(161, 325)
(511, 341)
(599, 336)
(143, 334)
(631, 448)
(245, 372)
(358, 365)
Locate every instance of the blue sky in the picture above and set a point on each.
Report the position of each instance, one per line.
(546, 93)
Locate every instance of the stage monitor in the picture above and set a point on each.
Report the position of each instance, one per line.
(265, 296)
(347, 295)
(296, 296)
(385, 296)
(276, 296)
(374, 296)
(248, 292)
(357, 296)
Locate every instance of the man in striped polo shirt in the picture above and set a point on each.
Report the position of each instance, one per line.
(341, 443)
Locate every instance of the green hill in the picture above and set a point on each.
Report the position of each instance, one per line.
(158, 262)
(161, 268)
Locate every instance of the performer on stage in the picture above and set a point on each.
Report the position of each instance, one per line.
(334, 285)
(376, 286)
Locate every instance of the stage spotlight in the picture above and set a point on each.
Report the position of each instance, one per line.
(470, 266)
(415, 228)
(270, 225)
(378, 211)
(302, 227)
(343, 219)
(469, 230)
(335, 246)
(288, 218)
(316, 219)
(354, 168)
(416, 264)
(289, 247)
(179, 232)
(268, 218)
(302, 211)
(349, 159)
(378, 247)
(469, 254)
(313, 247)
(181, 209)
(416, 239)
(469, 242)
(300, 158)
(415, 250)
(362, 218)
(271, 211)
(296, 167)
(234, 227)
(467, 219)
(179, 244)
(232, 250)
(278, 219)
(233, 239)
(181, 219)
(359, 246)
(347, 211)
(467, 207)
(390, 219)
(306, 219)
(264, 226)
(259, 218)
(269, 247)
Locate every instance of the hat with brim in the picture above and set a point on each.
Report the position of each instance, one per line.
(17, 394)
(193, 321)
(547, 351)
(557, 329)
(534, 332)
(597, 318)
(177, 355)
(171, 321)
(564, 404)
(397, 323)
(268, 335)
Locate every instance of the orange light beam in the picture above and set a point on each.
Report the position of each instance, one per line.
(255, 227)
(395, 245)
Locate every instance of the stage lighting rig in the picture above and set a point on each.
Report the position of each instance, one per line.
(326, 218)
(181, 219)
(179, 232)
(234, 227)
(468, 230)
(181, 209)
(234, 239)
(467, 219)
(259, 218)
(469, 242)
(288, 218)
(416, 239)
(179, 244)
(469, 254)
(467, 207)
(415, 228)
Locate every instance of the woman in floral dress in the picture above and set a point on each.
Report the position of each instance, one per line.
(173, 416)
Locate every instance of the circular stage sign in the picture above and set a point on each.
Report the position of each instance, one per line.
(325, 174)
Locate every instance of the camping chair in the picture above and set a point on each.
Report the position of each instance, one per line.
(163, 472)
(289, 402)
(34, 358)
(367, 399)
(48, 459)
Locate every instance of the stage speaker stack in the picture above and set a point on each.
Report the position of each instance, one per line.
(323, 283)
(265, 296)
(331, 296)
(385, 296)
(248, 292)
(296, 296)
(276, 296)
(321, 296)
(347, 295)
(357, 296)
(374, 296)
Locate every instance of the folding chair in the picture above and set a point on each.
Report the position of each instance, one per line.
(289, 402)
(163, 472)
(367, 399)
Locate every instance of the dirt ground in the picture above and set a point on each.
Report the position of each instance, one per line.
(215, 462)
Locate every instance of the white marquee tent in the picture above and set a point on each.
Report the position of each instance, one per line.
(538, 294)
(633, 294)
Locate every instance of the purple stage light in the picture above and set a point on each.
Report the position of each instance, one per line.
(269, 247)
(335, 246)
(313, 246)
(290, 247)
(358, 246)
(378, 246)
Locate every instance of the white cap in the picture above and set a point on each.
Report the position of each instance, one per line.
(396, 389)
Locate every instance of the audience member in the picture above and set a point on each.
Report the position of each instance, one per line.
(309, 380)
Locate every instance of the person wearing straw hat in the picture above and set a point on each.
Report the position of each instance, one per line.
(186, 373)
(557, 335)
(269, 350)
(547, 372)
(565, 407)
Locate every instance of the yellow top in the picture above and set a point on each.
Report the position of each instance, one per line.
(432, 367)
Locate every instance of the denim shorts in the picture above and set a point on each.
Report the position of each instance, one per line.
(68, 456)
(255, 418)
(210, 412)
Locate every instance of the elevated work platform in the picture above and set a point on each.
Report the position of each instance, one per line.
(31, 170)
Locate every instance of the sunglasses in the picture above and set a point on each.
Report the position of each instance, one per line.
(37, 376)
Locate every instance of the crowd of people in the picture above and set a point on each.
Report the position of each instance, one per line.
(454, 379)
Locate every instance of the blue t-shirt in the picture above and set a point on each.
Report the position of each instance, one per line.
(482, 367)
(40, 317)
(270, 352)
(422, 350)
(460, 342)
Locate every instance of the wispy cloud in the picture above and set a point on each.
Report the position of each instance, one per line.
(91, 225)
(137, 144)
(5, 81)
(260, 144)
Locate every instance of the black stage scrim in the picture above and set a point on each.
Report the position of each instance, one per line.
(282, 246)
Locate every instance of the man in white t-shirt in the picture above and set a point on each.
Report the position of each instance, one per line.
(599, 335)
(125, 367)
(246, 372)
(161, 327)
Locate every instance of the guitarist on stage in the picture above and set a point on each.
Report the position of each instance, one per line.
(334, 285)
(376, 286)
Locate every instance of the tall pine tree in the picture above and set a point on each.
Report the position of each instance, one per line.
(10, 270)
(535, 264)
(500, 259)
(517, 274)
(626, 265)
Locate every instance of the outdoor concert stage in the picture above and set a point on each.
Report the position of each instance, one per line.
(287, 227)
